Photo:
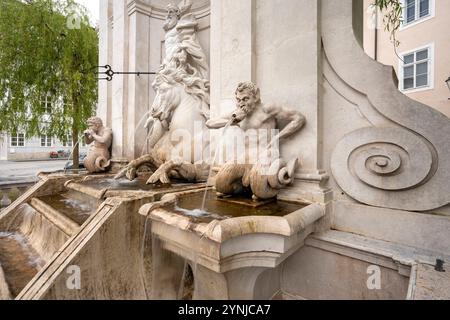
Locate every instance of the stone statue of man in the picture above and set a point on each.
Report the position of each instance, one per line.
(251, 114)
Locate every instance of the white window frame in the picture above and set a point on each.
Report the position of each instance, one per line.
(46, 137)
(47, 105)
(68, 143)
(17, 137)
(418, 20)
(430, 85)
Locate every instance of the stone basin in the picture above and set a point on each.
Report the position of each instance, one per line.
(217, 208)
(229, 247)
(105, 186)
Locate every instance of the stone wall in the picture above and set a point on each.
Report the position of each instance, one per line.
(317, 274)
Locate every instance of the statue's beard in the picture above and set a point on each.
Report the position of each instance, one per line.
(169, 25)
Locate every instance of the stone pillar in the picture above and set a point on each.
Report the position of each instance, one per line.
(138, 86)
(167, 272)
(209, 285)
(277, 45)
(119, 111)
(105, 57)
(232, 61)
(232, 50)
(307, 145)
(238, 284)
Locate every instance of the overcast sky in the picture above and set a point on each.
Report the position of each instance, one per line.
(93, 7)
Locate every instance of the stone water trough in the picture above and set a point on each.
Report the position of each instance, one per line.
(81, 221)
(227, 246)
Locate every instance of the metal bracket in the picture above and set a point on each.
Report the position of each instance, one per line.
(109, 73)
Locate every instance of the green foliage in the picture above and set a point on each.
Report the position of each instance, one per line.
(41, 54)
(392, 18)
(13, 194)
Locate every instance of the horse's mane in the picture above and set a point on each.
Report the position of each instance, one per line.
(190, 77)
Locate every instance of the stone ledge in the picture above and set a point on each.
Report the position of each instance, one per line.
(411, 229)
(387, 254)
(429, 284)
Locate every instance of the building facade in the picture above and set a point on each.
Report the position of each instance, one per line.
(422, 59)
(17, 147)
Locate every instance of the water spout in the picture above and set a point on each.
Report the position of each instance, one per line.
(211, 165)
(71, 152)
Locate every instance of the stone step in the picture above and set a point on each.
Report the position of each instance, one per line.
(61, 221)
(427, 283)
(19, 263)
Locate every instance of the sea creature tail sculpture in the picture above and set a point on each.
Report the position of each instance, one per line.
(266, 181)
(101, 163)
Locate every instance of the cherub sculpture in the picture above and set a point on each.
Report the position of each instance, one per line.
(98, 158)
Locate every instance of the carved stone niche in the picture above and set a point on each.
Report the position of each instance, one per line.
(158, 8)
(401, 161)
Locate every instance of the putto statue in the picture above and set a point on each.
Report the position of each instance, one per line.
(269, 173)
(98, 158)
(181, 103)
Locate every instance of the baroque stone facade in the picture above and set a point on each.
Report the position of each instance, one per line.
(368, 153)
(369, 195)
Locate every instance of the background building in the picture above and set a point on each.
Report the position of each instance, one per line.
(17, 147)
(422, 60)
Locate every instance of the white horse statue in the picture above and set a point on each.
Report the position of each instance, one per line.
(181, 105)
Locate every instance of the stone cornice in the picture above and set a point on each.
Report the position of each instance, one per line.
(137, 6)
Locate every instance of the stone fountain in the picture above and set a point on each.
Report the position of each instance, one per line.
(335, 190)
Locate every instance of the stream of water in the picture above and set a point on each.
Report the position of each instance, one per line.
(211, 165)
(73, 149)
(144, 267)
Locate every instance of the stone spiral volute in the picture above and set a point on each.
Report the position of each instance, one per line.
(383, 165)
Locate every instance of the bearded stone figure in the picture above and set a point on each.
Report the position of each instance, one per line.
(266, 176)
(185, 64)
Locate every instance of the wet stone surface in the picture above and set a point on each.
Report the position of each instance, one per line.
(220, 209)
(139, 184)
(76, 210)
(19, 261)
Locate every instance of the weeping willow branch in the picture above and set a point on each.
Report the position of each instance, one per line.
(392, 19)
